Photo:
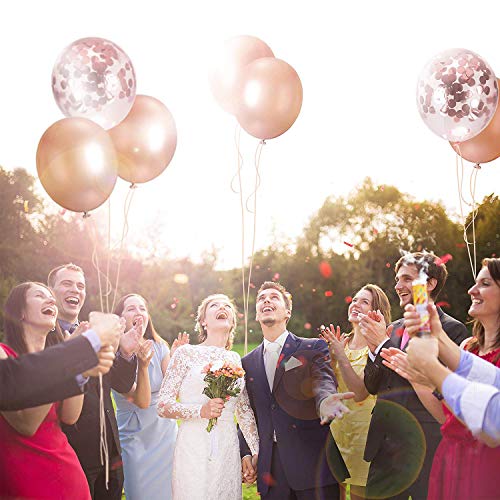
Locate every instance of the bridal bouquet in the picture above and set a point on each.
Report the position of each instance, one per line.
(222, 382)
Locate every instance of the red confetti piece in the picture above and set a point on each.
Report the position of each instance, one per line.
(417, 206)
(443, 304)
(444, 259)
(348, 244)
(348, 299)
(276, 276)
(375, 231)
(399, 332)
(388, 265)
(460, 245)
(280, 359)
(307, 326)
(325, 269)
(268, 479)
(328, 293)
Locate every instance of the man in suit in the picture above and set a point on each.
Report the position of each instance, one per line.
(290, 384)
(392, 446)
(55, 370)
(68, 285)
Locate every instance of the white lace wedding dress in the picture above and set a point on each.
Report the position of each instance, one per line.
(207, 466)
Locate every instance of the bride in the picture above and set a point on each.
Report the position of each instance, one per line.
(207, 465)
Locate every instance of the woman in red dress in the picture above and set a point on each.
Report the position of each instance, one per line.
(464, 467)
(36, 460)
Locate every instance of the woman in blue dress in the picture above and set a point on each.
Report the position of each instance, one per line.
(147, 440)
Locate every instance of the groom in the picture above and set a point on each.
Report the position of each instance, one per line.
(293, 392)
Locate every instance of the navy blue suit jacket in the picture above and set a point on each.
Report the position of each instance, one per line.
(291, 410)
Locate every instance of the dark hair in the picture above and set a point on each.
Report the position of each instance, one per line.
(287, 296)
(150, 332)
(430, 264)
(13, 319)
(51, 278)
(493, 266)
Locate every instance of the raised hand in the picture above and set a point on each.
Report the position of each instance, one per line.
(413, 320)
(373, 329)
(182, 339)
(107, 326)
(398, 361)
(331, 407)
(335, 340)
(145, 353)
(106, 356)
(130, 341)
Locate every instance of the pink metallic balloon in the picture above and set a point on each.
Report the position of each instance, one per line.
(77, 164)
(270, 98)
(145, 141)
(228, 65)
(457, 94)
(93, 78)
(485, 146)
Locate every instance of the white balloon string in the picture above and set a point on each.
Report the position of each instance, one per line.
(242, 208)
(462, 201)
(258, 152)
(237, 137)
(95, 257)
(126, 210)
(108, 289)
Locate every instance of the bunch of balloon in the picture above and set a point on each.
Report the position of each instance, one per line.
(457, 98)
(262, 92)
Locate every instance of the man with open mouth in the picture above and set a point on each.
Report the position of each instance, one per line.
(68, 285)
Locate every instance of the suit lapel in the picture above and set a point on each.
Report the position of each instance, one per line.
(291, 345)
(397, 332)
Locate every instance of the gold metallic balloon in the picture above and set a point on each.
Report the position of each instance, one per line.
(270, 98)
(485, 146)
(145, 141)
(77, 164)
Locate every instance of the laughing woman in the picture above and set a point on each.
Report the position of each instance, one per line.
(36, 460)
(147, 440)
(349, 354)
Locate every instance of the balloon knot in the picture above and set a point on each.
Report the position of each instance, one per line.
(86, 215)
(263, 142)
(133, 185)
(478, 166)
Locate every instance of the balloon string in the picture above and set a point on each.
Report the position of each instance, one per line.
(258, 152)
(237, 136)
(108, 290)
(462, 201)
(103, 443)
(126, 210)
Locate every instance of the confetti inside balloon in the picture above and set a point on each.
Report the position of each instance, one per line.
(93, 78)
(457, 94)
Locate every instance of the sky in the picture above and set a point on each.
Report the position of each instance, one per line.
(358, 63)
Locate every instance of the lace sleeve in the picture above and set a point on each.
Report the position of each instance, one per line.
(168, 406)
(246, 418)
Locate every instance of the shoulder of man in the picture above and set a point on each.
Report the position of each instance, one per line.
(454, 328)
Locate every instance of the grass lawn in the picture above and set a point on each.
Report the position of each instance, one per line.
(240, 347)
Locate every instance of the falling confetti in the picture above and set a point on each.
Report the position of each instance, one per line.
(348, 299)
(388, 265)
(348, 244)
(328, 293)
(444, 259)
(307, 326)
(443, 303)
(276, 276)
(325, 269)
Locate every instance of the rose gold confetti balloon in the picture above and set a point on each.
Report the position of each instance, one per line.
(145, 141)
(457, 94)
(77, 164)
(270, 98)
(483, 147)
(228, 64)
(93, 78)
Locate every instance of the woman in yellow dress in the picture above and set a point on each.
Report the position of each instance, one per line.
(349, 354)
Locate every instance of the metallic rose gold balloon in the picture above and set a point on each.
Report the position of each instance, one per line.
(77, 164)
(457, 94)
(485, 146)
(93, 78)
(226, 70)
(145, 141)
(270, 98)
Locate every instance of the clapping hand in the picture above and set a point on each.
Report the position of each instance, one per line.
(373, 329)
(82, 327)
(107, 326)
(335, 340)
(130, 341)
(182, 339)
(145, 353)
(331, 407)
(398, 361)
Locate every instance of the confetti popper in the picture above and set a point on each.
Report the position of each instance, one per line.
(420, 300)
